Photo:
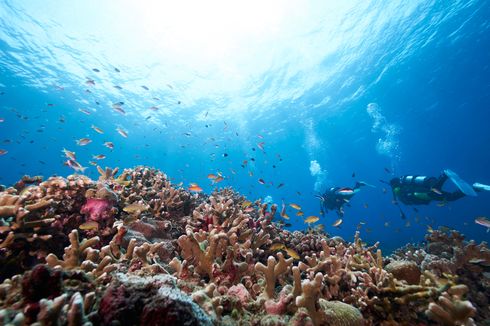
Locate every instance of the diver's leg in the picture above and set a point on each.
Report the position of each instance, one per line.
(439, 182)
(452, 196)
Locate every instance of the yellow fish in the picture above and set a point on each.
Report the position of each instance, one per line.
(277, 246)
(300, 213)
(295, 206)
(292, 253)
(311, 219)
(90, 225)
(133, 208)
(430, 229)
(337, 222)
(246, 204)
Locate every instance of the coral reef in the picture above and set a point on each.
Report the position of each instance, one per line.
(134, 248)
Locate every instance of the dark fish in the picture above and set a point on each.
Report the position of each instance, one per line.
(273, 166)
(96, 70)
(261, 181)
(225, 154)
(387, 170)
(145, 88)
(117, 70)
(118, 87)
(353, 174)
(280, 185)
(50, 104)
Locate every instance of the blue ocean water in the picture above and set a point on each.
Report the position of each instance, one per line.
(333, 93)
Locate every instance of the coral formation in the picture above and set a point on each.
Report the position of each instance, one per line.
(137, 249)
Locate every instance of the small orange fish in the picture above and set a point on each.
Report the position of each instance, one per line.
(295, 206)
(300, 213)
(122, 132)
(98, 157)
(212, 176)
(437, 191)
(90, 225)
(83, 141)
(283, 211)
(277, 246)
(337, 223)
(311, 219)
(97, 129)
(119, 109)
(109, 145)
(219, 178)
(194, 187)
(292, 253)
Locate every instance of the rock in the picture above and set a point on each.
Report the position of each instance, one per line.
(404, 270)
(150, 300)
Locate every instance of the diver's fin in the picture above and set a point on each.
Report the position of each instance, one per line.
(460, 183)
(481, 187)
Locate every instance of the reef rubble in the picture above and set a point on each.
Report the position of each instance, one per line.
(135, 249)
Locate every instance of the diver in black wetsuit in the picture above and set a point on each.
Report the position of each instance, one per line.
(421, 190)
(336, 197)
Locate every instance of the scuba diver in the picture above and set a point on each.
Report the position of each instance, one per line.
(336, 197)
(422, 190)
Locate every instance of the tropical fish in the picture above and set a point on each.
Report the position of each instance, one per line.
(145, 88)
(280, 185)
(283, 211)
(83, 141)
(95, 69)
(212, 176)
(337, 222)
(134, 208)
(118, 87)
(153, 108)
(3, 151)
(85, 111)
(261, 181)
(295, 206)
(97, 129)
(69, 154)
(311, 219)
(98, 157)
(93, 163)
(90, 82)
(109, 145)
(219, 178)
(366, 205)
(122, 132)
(194, 187)
(292, 253)
(117, 107)
(483, 221)
(246, 204)
(75, 165)
(300, 213)
(430, 229)
(277, 246)
(261, 145)
(90, 225)
(437, 191)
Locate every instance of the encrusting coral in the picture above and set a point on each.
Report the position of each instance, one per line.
(137, 249)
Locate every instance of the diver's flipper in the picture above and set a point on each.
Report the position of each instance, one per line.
(481, 187)
(460, 183)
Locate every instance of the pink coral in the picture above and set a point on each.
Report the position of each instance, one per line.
(97, 209)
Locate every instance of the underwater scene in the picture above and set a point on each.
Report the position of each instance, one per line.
(244, 162)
